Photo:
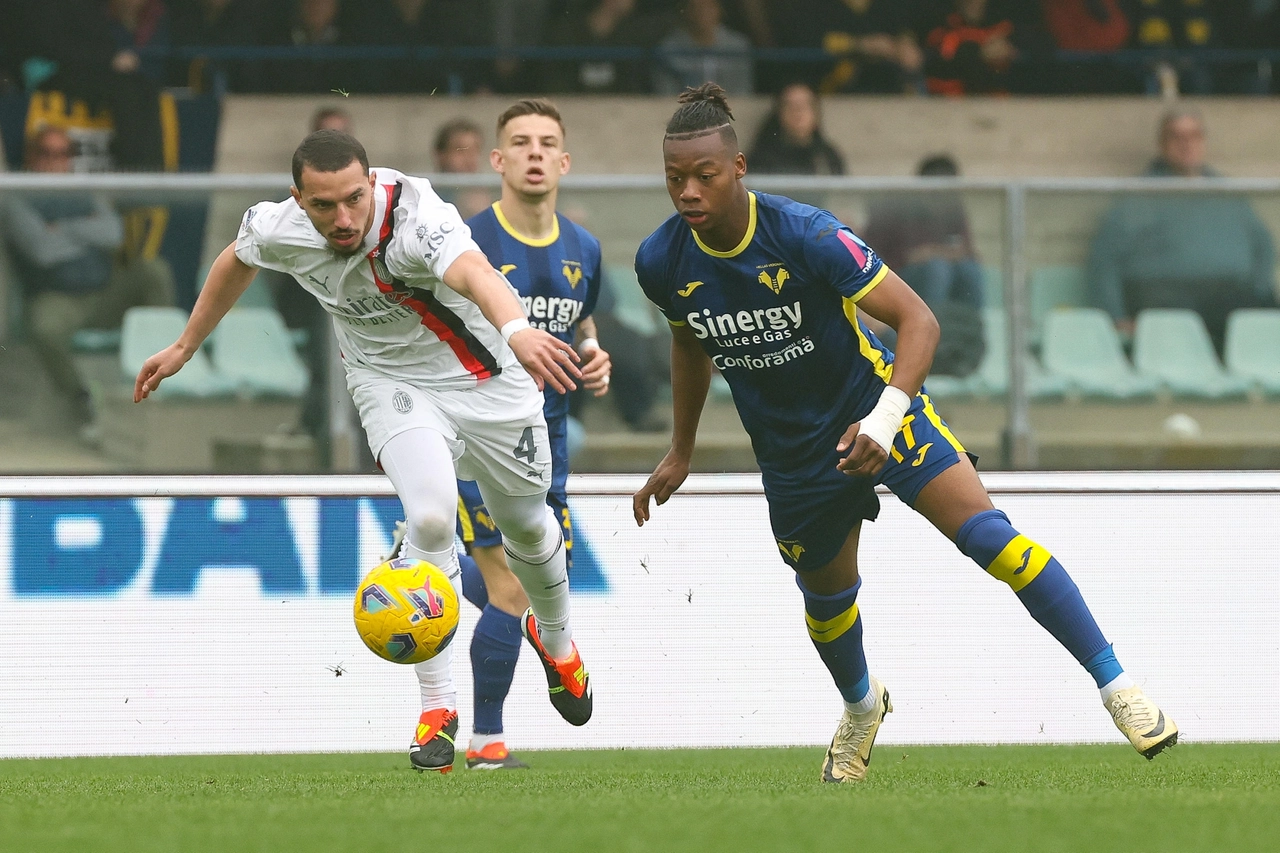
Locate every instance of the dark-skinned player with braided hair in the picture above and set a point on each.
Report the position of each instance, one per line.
(768, 291)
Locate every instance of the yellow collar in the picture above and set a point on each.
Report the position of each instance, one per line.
(539, 243)
(736, 250)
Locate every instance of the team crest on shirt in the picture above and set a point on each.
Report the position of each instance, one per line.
(421, 232)
(402, 402)
(774, 282)
(572, 271)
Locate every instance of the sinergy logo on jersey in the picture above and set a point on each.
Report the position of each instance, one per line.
(751, 328)
(552, 313)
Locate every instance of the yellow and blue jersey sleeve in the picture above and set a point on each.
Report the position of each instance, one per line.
(652, 260)
(839, 256)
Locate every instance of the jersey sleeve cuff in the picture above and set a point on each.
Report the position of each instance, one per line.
(871, 285)
(671, 322)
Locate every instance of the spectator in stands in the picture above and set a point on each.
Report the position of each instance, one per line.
(972, 48)
(602, 24)
(316, 23)
(1210, 254)
(704, 50)
(925, 239)
(873, 43)
(332, 118)
(65, 253)
(1189, 26)
(216, 23)
(459, 147)
(1089, 26)
(422, 23)
(134, 25)
(790, 142)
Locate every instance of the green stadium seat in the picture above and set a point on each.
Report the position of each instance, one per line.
(1054, 287)
(1253, 347)
(254, 350)
(1081, 345)
(632, 308)
(992, 286)
(991, 379)
(146, 331)
(1172, 346)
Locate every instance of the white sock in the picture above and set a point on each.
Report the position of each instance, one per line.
(865, 705)
(435, 676)
(546, 581)
(479, 741)
(1120, 682)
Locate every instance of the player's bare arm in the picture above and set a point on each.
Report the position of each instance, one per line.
(549, 360)
(895, 304)
(228, 278)
(597, 366)
(690, 379)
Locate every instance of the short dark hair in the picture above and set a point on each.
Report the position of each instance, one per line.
(453, 127)
(702, 110)
(328, 151)
(325, 113)
(531, 107)
(938, 166)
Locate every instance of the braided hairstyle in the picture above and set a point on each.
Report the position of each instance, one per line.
(702, 111)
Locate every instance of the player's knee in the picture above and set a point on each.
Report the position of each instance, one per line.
(537, 540)
(992, 542)
(431, 528)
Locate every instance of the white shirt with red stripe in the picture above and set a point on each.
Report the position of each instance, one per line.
(392, 311)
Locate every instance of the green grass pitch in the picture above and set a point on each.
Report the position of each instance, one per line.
(1017, 798)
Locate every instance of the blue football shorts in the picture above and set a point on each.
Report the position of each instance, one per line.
(812, 510)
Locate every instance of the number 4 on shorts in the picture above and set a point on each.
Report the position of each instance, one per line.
(526, 449)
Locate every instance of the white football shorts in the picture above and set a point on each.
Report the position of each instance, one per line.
(495, 430)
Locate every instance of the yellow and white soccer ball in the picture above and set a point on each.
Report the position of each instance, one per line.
(406, 611)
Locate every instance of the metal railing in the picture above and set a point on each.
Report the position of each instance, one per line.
(156, 187)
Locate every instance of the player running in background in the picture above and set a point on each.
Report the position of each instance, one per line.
(768, 290)
(554, 265)
(439, 359)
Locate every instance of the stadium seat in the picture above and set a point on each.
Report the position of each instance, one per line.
(991, 379)
(1172, 346)
(1253, 347)
(1081, 345)
(1054, 287)
(254, 350)
(146, 331)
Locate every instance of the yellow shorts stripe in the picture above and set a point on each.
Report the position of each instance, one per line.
(464, 521)
(834, 628)
(1019, 562)
(940, 425)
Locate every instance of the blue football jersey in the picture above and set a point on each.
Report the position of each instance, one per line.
(777, 315)
(557, 277)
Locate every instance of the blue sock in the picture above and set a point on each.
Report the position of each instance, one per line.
(1104, 667)
(835, 626)
(473, 588)
(495, 647)
(1041, 584)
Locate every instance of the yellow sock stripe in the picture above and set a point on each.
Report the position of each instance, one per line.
(834, 628)
(464, 521)
(870, 353)
(940, 425)
(1019, 562)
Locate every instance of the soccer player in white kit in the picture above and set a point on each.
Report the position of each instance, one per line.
(445, 371)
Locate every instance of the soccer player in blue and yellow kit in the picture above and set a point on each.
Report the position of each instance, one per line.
(768, 290)
(554, 265)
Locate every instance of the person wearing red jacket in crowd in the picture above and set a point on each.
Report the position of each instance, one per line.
(972, 49)
(1091, 26)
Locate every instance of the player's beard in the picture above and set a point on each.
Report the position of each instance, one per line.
(347, 251)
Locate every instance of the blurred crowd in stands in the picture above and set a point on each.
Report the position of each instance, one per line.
(939, 47)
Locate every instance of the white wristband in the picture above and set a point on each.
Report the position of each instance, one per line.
(512, 326)
(883, 422)
(588, 344)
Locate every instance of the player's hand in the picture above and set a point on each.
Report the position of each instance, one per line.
(160, 366)
(866, 457)
(596, 370)
(671, 472)
(549, 360)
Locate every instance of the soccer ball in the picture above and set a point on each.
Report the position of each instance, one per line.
(406, 611)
